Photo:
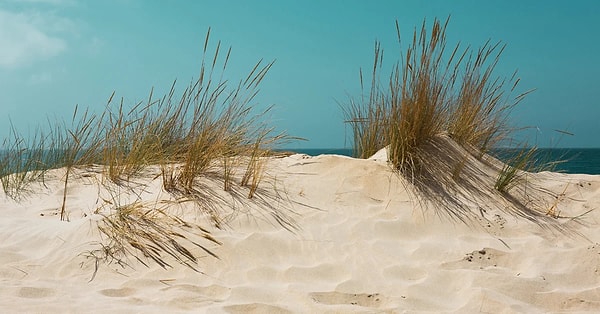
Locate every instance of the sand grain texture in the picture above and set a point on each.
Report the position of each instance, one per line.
(363, 245)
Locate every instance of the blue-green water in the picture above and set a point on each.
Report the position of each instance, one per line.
(570, 160)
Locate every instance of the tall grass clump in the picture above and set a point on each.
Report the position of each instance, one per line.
(368, 118)
(211, 122)
(221, 130)
(209, 135)
(420, 95)
(413, 107)
(480, 111)
(438, 114)
(516, 168)
(22, 163)
(432, 91)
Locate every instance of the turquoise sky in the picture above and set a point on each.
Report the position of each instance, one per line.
(58, 53)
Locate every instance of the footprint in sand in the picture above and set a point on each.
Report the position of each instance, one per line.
(338, 298)
(35, 293)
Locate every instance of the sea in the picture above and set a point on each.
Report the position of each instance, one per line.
(565, 160)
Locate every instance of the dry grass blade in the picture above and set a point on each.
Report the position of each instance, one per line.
(210, 133)
(412, 108)
(156, 235)
(438, 115)
(479, 115)
(22, 162)
(517, 167)
(368, 118)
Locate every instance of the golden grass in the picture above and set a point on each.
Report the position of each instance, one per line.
(20, 163)
(209, 133)
(147, 232)
(432, 91)
(435, 96)
(368, 118)
(479, 113)
(419, 96)
(515, 169)
(413, 107)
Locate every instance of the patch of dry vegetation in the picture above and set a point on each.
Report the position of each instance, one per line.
(150, 230)
(21, 163)
(434, 100)
(211, 133)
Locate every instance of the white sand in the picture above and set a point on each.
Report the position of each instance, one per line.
(363, 245)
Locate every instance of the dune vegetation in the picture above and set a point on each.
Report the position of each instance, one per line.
(210, 132)
(439, 114)
(432, 91)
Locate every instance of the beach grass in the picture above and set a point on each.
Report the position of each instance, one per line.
(22, 163)
(420, 91)
(433, 91)
(413, 107)
(521, 161)
(436, 94)
(479, 113)
(515, 169)
(149, 229)
(209, 132)
(210, 121)
(368, 116)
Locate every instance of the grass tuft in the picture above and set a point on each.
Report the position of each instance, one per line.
(22, 162)
(479, 114)
(208, 133)
(368, 118)
(515, 170)
(432, 91)
(148, 232)
(439, 113)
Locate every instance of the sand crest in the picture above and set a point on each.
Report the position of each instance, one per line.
(362, 245)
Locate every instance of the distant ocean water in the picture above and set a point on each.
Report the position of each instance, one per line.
(571, 160)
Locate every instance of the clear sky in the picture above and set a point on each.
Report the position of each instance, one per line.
(55, 54)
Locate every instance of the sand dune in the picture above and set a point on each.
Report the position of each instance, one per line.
(363, 244)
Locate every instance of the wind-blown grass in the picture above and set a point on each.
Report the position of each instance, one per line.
(479, 114)
(368, 118)
(432, 91)
(148, 229)
(420, 92)
(21, 163)
(516, 168)
(433, 96)
(519, 162)
(210, 133)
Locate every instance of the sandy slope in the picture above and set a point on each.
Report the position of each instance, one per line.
(362, 245)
